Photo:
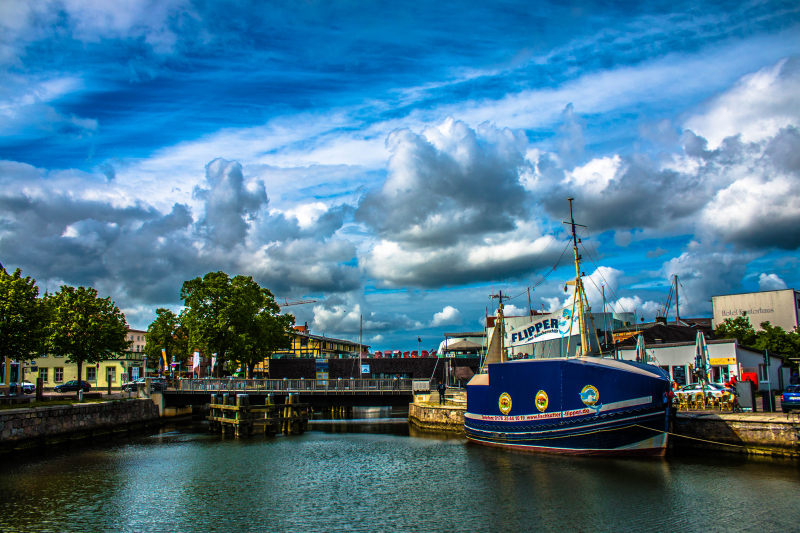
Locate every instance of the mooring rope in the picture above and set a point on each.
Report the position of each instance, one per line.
(705, 440)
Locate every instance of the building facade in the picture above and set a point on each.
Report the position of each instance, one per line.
(725, 357)
(55, 370)
(779, 308)
(306, 345)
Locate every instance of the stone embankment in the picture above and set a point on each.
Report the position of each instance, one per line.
(749, 433)
(427, 413)
(42, 426)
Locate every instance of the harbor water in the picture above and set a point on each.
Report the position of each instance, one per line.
(375, 473)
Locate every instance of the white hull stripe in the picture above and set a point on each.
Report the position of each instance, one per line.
(582, 428)
(634, 402)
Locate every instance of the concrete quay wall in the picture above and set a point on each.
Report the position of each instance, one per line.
(749, 433)
(437, 417)
(30, 427)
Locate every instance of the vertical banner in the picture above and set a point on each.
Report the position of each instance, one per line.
(196, 363)
(213, 362)
(164, 359)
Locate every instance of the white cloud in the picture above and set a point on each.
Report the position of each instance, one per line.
(595, 175)
(757, 107)
(446, 317)
(770, 282)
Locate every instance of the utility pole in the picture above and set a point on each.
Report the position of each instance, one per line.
(530, 310)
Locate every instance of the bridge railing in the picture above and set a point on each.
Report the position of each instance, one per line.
(339, 385)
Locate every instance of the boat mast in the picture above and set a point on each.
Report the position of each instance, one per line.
(580, 294)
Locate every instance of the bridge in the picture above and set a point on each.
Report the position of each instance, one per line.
(320, 393)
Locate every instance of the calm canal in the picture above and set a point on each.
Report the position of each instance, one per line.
(373, 474)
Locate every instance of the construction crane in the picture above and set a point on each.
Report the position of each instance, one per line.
(287, 303)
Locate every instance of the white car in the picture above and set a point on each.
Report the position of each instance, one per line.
(714, 389)
(27, 387)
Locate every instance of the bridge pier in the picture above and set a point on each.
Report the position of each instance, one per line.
(242, 418)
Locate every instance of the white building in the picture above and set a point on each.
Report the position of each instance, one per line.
(726, 357)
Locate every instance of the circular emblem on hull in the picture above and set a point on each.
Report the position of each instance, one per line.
(590, 395)
(504, 403)
(541, 401)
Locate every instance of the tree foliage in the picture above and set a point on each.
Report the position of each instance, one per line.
(22, 316)
(166, 333)
(774, 339)
(84, 327)
(234, 318)
(738, 328)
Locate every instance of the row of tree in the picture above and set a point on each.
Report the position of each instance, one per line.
(73, 322)
(234, 318)
(771, 338)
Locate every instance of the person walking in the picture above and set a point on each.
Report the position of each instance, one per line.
(441, 388)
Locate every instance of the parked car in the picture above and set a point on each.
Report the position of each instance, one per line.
(156, 384)
(714, 389)
(27, 387)
(791, 398)
(73, 386)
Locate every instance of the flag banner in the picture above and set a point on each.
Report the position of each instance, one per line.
(196, 361)
(543, 328)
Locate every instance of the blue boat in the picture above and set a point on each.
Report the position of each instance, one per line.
(581, 405)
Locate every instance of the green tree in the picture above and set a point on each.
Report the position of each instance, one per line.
(738, 328)
(776, 340)
(166, 333)
(256, 320)
(234, 318)
(22, 318)
(84, 327)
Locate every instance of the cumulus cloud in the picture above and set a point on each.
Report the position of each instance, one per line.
(755, 109)
(449, 182)
(499, 257)
(704, 272)
(770, 282)
(348, 317)
(229, 202)
(446, 317)
(96, 235)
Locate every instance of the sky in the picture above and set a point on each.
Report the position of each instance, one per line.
(394, 164)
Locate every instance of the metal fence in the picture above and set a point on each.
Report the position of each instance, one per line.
(319, 386)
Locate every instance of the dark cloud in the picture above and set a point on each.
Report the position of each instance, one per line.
(447, 184)
(228, 203)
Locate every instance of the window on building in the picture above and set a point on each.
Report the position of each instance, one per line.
(763, 373)
(58, 374)
(43, 374)
(91, 373)
(111, 374)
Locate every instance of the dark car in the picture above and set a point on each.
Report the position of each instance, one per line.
(791, 398)
(73, 386)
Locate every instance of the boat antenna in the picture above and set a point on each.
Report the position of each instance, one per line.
(500, 324)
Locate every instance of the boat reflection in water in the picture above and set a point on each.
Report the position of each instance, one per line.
(583, 405)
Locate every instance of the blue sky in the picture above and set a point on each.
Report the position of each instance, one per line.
(401, 163)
